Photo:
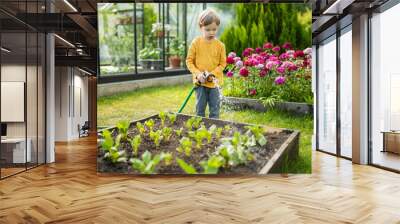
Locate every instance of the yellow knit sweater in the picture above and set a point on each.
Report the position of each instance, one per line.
(205, 55)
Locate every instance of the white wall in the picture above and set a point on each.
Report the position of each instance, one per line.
(71, 87)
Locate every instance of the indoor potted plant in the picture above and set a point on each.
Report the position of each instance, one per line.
(158, 30)
(176, 52)
(150, 56)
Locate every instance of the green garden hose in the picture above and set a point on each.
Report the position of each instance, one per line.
(187, 99)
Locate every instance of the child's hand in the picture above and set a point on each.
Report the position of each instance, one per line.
(200, 78)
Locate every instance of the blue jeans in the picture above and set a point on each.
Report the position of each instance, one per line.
(208, 96)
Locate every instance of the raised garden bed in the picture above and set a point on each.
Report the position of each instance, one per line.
(228, 148)
(256, 104)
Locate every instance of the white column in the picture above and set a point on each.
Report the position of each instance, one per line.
(50, 99)
(360, 90)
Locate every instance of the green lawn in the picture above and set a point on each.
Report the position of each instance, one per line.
(141, 103)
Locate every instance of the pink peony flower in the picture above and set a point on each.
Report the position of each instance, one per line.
(263, 73)
(287, 45)
(260, 66)
(280, 69)
(293, 67)
(308, 50)
(271, 64)
(267, 45)
(239, 64)
(244, 72)
(252, 92)
(258, 50)
(232, 54)
(273, 58)
(230, 60)
(276, 49)
(284, 56)
(236, 59)
(280, 80)
(298, 53)
(229, 74)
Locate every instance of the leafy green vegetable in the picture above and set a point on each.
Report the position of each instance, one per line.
(135, 143)
(193, 122)
(171, 117)
(227, 128)
(156, 137)
(147, 164)
(185, 146)
(107, 142)
(149, 123)
(115, 156)
(218, 133)
(179, 132)
(140, 128)
(167, 157)
(258, 133)
(122, 127)
(162, 116)
(166, 133)
(187, 168)
(212, 165)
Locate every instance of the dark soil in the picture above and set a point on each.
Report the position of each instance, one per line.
(262, 154)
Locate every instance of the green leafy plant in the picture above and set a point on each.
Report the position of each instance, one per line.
(147, 164)
(176, 47)
(185, 146)
(140, 128)
(199, 135)
(115, 156)
(156, 137)
(218, 132)
(167, 157)
(193, 122)
(166, 133)
(187, 168)
(150, 124)
(123, 127)
(258, 133)
(212, 165)
(227, 128)
(111, 146)
(135, 143)
(171, 117)
(107, 142)
(149, 52)
(179, 132)
(162, 117)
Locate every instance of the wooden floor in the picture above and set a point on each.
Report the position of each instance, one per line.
(70, 191)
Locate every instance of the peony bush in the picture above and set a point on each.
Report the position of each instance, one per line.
(271, 73)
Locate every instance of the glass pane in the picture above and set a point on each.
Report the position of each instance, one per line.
(327, 96)
(346, 93)
(192, 24)
(41, 99)
(116, 38)
(13, 86)
(150, 52)
(31, 98)
(385, 89)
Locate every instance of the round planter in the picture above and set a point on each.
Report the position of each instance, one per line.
(175, 61)
(157, 64)
(146, 63)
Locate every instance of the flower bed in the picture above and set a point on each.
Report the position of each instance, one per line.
(271, 74)
(183, 144)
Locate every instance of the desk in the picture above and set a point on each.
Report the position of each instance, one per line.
(16, 147)
(391, 141)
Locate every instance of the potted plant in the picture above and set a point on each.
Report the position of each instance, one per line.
(176, 52)
(158, 30)
(150, 57)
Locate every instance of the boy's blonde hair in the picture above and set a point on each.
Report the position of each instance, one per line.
(207, 17)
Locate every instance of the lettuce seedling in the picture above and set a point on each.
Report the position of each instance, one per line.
(193, 122)
(115, 156)
(212, 165)
(258, 133)
(122, 127)
(156, 137)
(179, 132)
(140, 128)
(162, 116)
(218, 133)
(135, 143)
(107, 142)
(227, 128)
(167, 157)
(147, 164)
(149, 123)
(166, 132)
(187, 168)
(186, 146)
(171, 117)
